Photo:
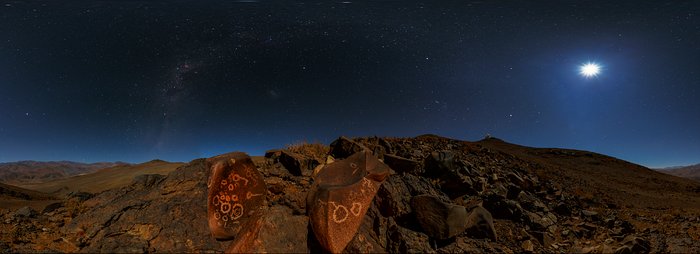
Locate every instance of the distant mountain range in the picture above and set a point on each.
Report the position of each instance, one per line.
(102, 179)
(692, 171)
(38, 171)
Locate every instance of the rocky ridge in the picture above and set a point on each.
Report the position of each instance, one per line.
(443, 196)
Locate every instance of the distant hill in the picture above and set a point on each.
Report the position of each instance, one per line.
(9, 192)
(103, 179)
(13, 197)
(602, 177)
(38, 171)
(691, 172)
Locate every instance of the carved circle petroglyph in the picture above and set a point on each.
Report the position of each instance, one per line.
(356, 208)
(226, 200)
(343, 213)
(237, 211)
(225, 208)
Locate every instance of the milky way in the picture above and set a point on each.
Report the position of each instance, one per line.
(134, 81)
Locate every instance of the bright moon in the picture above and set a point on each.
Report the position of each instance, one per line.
(590, 70)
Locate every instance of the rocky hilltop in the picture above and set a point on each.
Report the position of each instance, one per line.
(439, 195)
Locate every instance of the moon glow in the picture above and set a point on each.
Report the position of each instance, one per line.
(590, 70)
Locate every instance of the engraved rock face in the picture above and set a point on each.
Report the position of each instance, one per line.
(236, 195)
(341, 194)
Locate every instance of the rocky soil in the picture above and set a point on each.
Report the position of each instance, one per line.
(442, 196)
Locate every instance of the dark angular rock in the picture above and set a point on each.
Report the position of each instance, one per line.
(562, 209)
(456, 185)
(502, 208)
(537, 221)
(420, 185)
(80, 196)
(273, 154)
(371, 237)
(297, 164)
(403, 240)
(401, 164)
(52, 207)
(343, 147)
(480, 224)
(394, 197)
(236, 195)
(439, 219)
(544, 238)
(25, 212)
(340, 196)
(387, 145)
(513, 192)
(440, 163)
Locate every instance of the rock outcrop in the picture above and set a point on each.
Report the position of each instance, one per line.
(431, 195)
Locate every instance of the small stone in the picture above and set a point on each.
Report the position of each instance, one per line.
(588, 213)
(528, 246)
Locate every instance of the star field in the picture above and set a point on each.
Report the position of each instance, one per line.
(133, 81)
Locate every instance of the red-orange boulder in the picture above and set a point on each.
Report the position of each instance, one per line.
(341, 194)
(236, 195)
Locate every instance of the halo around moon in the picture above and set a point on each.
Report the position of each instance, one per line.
(590, 70)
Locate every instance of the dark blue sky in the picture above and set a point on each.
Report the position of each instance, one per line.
(133, 81)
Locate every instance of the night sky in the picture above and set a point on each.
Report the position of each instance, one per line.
(134, 81)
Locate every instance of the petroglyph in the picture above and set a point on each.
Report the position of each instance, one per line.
(340, 197)
(340, 212)
(356, 208)
(228, 209)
